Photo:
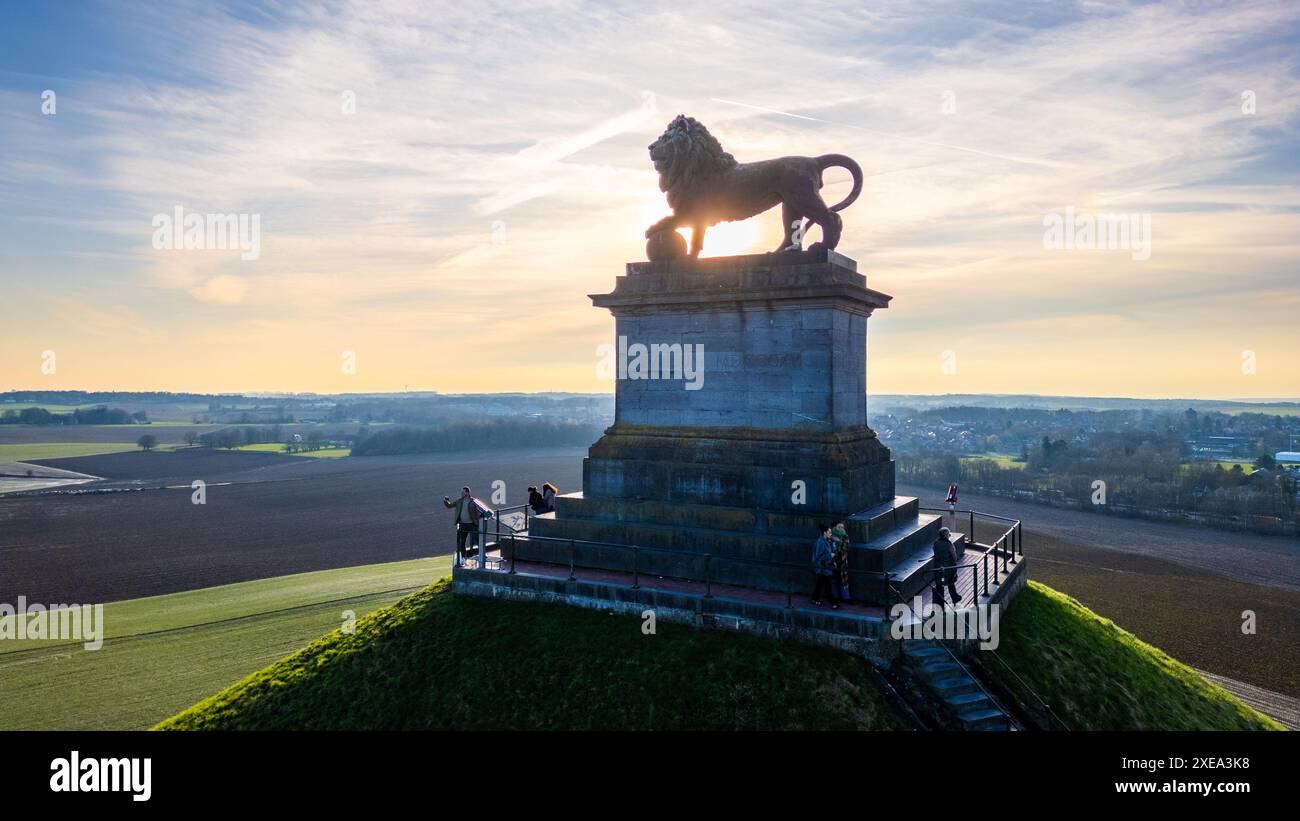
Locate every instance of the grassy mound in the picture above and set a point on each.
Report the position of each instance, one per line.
(435, 661)
(1098, 676)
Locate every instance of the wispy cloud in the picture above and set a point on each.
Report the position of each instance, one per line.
(493, 172)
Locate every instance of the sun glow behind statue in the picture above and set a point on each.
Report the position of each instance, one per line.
(727, 238)
(751, 236)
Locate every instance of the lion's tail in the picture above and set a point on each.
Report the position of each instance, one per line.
(832, 160)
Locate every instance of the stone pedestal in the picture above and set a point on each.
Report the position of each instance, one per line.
(740, 423)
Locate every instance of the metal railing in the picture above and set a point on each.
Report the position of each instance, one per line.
(979, 684)
(509, 542)
(1007, 547)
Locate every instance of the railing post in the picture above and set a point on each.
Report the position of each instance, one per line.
(572, 577)
(1003, 541)
(708, 583)
(972, 526)
(986, 574)
(513, 549)
(636, 569)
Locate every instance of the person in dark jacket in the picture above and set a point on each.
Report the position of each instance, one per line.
(467, 516)
(945, 567)
(823, 567)
(840, 561)
(536, 501)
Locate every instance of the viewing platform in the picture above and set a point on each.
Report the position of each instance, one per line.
(740, 433)
(987, 573)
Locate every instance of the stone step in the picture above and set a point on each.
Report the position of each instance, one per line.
(909, 538)
(968, 701)
(956, 686)
(885, 517)
(913, 574)
(745, 558)
(985, 718)
(800, 525)
(936, 670)
(927, 652)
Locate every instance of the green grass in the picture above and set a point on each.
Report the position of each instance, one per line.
(435, 661)
(1098, 676)
(27, 452)
(1004, 460)
(163, 653)
(276, 447)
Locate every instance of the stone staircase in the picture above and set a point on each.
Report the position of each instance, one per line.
(749, 547)
(952, 684)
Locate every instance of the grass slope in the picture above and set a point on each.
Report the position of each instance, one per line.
(1098, 676)
(276, 447)
(163, 653)
(434, 661)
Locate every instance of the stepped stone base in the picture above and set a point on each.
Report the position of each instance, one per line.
(747, 428)
(749, 547)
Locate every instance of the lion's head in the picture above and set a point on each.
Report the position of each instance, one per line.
(686, 157)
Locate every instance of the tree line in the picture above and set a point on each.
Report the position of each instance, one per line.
(79, 416)
(482, 435)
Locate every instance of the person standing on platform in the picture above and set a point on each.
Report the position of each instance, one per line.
(945, 567)
(840, 561)
(823, 567)
(467, 516)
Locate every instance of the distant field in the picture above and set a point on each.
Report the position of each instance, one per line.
(1004, 460)
(176, 465)
(276, 447)
(17, 406)
(266, 514)
(163, 653)
(164, 432)
(60, 450)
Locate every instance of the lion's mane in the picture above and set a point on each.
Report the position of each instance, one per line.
(687, 158)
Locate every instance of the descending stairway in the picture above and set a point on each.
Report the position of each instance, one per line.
(953, 684)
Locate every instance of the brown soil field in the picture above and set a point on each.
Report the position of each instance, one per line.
(298, 515)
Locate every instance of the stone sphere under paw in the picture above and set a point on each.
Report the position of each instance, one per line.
(665, 245)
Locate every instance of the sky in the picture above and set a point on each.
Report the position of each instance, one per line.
(439, 186)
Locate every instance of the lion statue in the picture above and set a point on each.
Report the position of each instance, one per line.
(705, 185)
